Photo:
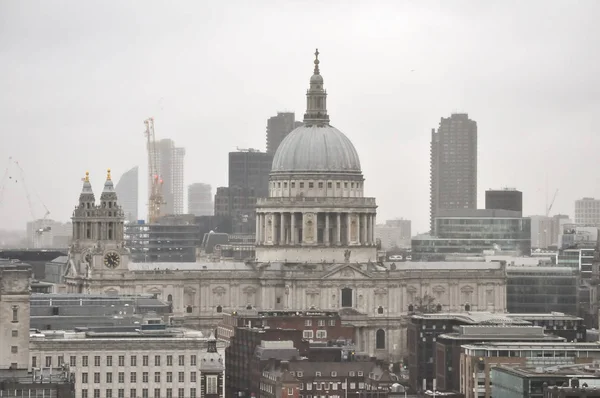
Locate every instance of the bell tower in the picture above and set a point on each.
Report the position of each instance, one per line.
(98, 247)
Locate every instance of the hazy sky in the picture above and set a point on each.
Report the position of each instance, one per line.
(78, 78)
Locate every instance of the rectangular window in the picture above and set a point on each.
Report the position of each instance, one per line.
(61, 360)
(48, 361)
(321, 334)
(211, 385)
(181, 377)
(97, 393)
(97, 377)
(192, 393)
(34, 362)
(308, 322)
(157, 393)
(169, 360)
(121, 393)
(307, 334)
(121, 360)
(15, 313)
(157, 377)
(169, 377)
(182, 360)
(321, 322)
(311, 184)
(290, 391)
(72, 361)
(329, 185)
(97, 360)
(145, 360)
(121, 377)
(14, 349)
(144, 393)
(133, 360)
(84, 393)
(109, 393)
(332, 322)
(157, 360)
(320, 185)
(133, 393)
(109, 360)
(181, 393)
(133, 377)
(345, 185)
(193, 360)
(293, 184)
(285, 184)
(84, 378)
(144, 377)
(15, 333)
(169, 393)
(302, 185)
(337, 184)
(192, 377)
(109, 377)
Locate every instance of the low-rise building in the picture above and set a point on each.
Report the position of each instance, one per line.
(149, 360)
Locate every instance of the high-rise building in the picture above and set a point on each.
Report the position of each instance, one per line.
(504, 199)
(170, 169)
(48, 234)
(587, 212)
(453, 165)
(278, 127)
(127, 190)
(394, 234)
(250, 169)
(200, 200)
(239, 204)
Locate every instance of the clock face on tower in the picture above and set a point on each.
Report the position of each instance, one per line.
(112, 259)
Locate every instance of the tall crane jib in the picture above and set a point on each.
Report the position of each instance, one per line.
(155, 199)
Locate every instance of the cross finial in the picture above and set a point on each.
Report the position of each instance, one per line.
(317, 54)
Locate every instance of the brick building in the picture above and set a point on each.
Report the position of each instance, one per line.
(316, 326)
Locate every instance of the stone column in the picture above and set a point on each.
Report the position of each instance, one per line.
(257, 232)
(326, 232)
(282, 229)
(293, 228)
(369, 232)
(373, 228)
(348, 228)
(338, 234)
(273, 230)
(364, 229)
(358, 228)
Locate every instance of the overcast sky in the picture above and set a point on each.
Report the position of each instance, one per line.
(78, 78)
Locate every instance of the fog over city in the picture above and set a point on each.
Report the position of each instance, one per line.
(78, 79)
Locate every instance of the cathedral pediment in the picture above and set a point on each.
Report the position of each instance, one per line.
(347, 271)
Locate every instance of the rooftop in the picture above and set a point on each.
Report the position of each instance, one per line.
(500, 332)
(501, 346)
(474, 318)
(582, 370)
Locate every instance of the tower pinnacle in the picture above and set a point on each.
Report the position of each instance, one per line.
(316, 99)
(108, 175)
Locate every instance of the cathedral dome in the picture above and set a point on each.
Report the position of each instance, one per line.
(316, 147)
(320, 149)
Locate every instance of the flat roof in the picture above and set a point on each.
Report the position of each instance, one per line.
(475, 317)
(534, 346)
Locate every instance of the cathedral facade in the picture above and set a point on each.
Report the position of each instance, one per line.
(315, 249)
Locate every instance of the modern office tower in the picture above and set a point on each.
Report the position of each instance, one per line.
(250, 169)
(394, 234)
(278, 127)
(200, 200)
(170, 169)
(127, 191)
(504, 199)
(587, 212)
(453, 165)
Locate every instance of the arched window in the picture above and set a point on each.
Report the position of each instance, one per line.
(467, 307)
(189, 309)
(346, 297)
(380, 310)
(170, 298)
(380, 339)
(411, 308)
(219, 308)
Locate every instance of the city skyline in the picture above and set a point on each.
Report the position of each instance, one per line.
(521, 110)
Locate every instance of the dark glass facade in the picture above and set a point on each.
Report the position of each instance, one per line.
(504, 199)
(475, 235)
(542, 290)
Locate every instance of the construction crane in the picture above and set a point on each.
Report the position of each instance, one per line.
(8, 176)
(551, 203)
(155, 199)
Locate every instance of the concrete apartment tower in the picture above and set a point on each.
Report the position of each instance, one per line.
(200, 200)
(170, 170)
(453, 165)
(278, 127)
(587, 212)
(127, 191)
